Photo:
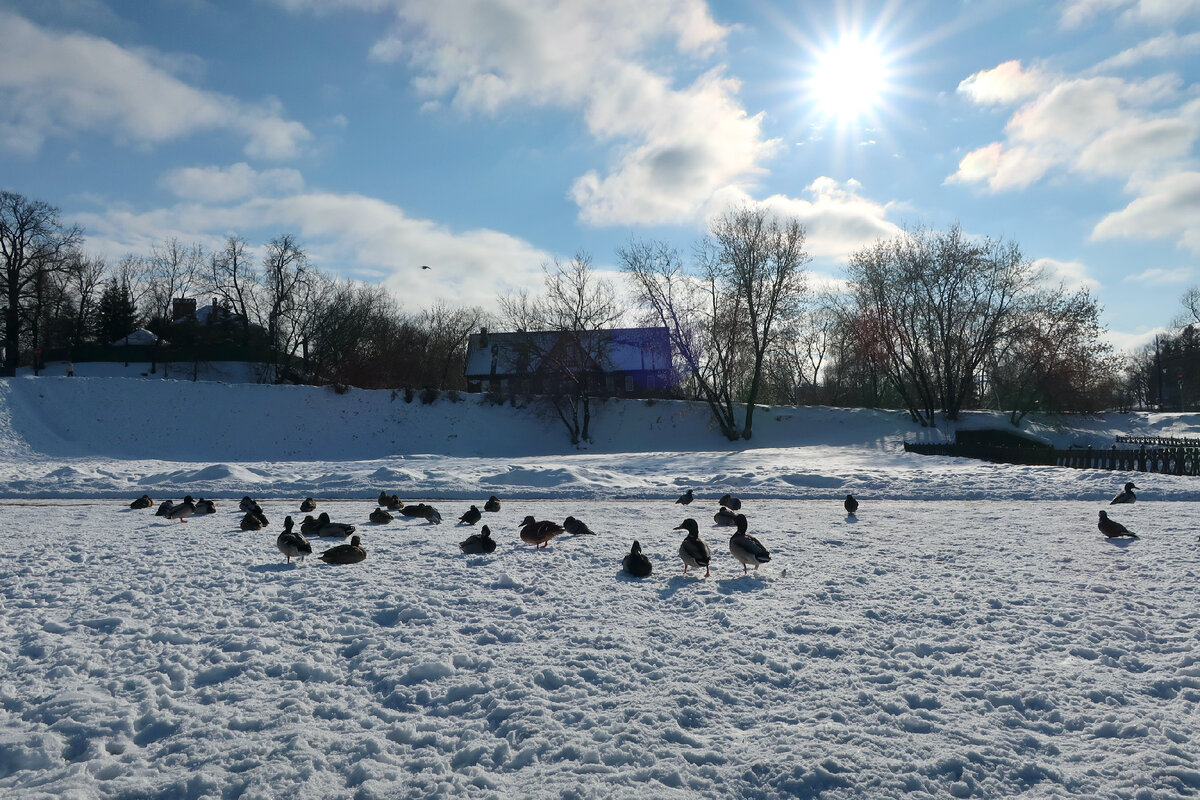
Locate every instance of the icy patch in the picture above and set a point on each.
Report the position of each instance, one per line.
(812, 481)
(531, 476)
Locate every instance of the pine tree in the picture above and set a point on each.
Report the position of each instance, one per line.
(116, 315)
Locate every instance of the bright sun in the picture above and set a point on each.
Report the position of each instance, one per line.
(849, 79)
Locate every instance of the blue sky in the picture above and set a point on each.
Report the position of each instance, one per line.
(487, 137)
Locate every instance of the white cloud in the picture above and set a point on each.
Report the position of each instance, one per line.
(1079, 12)
(1161, 277)
(673, 147)
(1072, 274)
(1139, 146)
(1124, 342)
(1165, 208)
(62, 85)
(352, 235)
(837, 217)
(1167, 46)
(223, 184)
(1003, 84)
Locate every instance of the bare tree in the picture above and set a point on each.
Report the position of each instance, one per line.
(235, 281)
(565, 336)
(446, 331)
(942, 305)
(33, 243)
(174, 269)
(293, 292)
(84, 277)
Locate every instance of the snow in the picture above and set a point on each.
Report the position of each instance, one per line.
(968, 634)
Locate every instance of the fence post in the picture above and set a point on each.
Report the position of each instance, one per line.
(1141, 459)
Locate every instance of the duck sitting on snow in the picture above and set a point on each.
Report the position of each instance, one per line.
(492, 505)
(577, 527)
(380, 516)
(423, 511)
(383, 498)
(326, 528)
(247, 504)
(725, 517)
(345, 553)
(730, 502)
(205, 507)
(850, 504)
(292, 544)
(1113, 529)
(394, 503)
(164, 508)
(746, 548)
(477, 543)
(1126, 496)
(636, 563)
(538, 533)
(142, 502)
(253, 521)
(694, 551)
(308, 504)
(470, 516)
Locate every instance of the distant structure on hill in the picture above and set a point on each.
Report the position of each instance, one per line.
(625, 362)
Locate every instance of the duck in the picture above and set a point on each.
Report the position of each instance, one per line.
(142, 502)
(537, 533)
(381, 516)
(394, 503)
(1126, 496)
(694, 551)
(326, 528)
(746, 548)
(345, 553)
(477, 543)
(383, 498)
(492, 505)
(1113, 529)
(685, 499)
(471, 516)
(636, 563)
(308, 505)
(424, 511)
(164, 508)
(577, 527)
(252, 521)
(730, 502)
(184, 510)
(205, 507)
(292, 544)
(247, 504)
(725, 517)
(850, 504)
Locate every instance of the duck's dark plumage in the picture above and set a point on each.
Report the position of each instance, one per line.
(292, 544)
(685, 498)
(539, 533)
(477, 543)
(637, 563)
(1113, 529)
(142, 502)
(577, 527)
(205, 507)
(850, 504)
(725, 517)
(380, 516)
(345, 553)
(308, 504)
(1126, 496)
(492, 505)
(184, 510)
(730, 502)
(471, 516)
(693, 551)
(746, 548)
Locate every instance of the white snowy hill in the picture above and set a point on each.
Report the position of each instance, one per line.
(93, 436)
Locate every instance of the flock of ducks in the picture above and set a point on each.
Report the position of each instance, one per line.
(694, 552)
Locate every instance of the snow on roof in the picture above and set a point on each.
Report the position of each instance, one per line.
(139, 337)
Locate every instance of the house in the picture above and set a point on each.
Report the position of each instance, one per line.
(628, 362)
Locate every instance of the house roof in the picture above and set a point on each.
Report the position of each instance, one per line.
(139, 337)
(623, 350)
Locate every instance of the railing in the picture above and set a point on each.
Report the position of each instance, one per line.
(1173, 460)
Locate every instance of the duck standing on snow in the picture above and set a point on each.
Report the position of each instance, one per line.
(182, 511)
(478, 543)
(1113, 529)
(492, 505)
(471, 516)
(142, 502)
(345, 553)
(685, 498)
(577, 527)
(1126, 496)
(850, 504)
(746, 548)
(730, 502)
(636, 563)
(537, 533)
(381, 516)
(694, 551)
(725, 517)
(308, 505)
(292, 544)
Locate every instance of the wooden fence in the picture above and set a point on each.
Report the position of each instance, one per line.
(1177, 459)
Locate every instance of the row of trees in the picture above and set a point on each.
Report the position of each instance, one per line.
(935, 322)
(276, 306)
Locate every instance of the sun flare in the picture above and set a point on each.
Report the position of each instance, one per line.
(849, 78)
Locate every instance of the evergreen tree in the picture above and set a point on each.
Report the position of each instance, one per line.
(116, 314)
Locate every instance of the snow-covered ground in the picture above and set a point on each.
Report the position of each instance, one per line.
(968, 634)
